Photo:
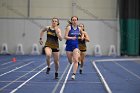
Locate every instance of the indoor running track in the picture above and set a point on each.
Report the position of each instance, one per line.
(27, 75)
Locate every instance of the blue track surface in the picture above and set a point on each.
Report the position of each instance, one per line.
(27, 75)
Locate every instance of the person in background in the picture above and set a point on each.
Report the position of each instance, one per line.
(82, 47)
(52, 44)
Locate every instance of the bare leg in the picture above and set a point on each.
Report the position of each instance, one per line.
(56, 60)
(69, 56)
(82, 59)
(48, 52)
(82, 62)
(76, 55)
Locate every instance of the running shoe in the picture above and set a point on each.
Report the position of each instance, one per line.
(80, 71)
(73, 76)
(56, 75)
(48, 70)
(79, 64)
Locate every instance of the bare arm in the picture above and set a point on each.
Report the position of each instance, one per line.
(41, 34)
(42, 31)
(82, 33)
(58, 32)
(86, 37)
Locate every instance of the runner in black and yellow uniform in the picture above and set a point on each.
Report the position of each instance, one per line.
(82, 47)
(52, 44)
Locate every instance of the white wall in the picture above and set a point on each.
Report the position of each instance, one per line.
(97, 15)
(14, 31)
(84, 9)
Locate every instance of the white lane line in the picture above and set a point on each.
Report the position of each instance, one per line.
(55, 88)
(102, 78)
(124, 59)
(137, 76)
(12, 65)
(6, 63)
(14, 90)
(10, 81)
(15, 69)
(63, 86)
(39, 82)
(20, 77)
(25, 71)
(12, 62)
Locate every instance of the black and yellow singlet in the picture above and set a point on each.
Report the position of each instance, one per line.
(52, 39)
(82, 44)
